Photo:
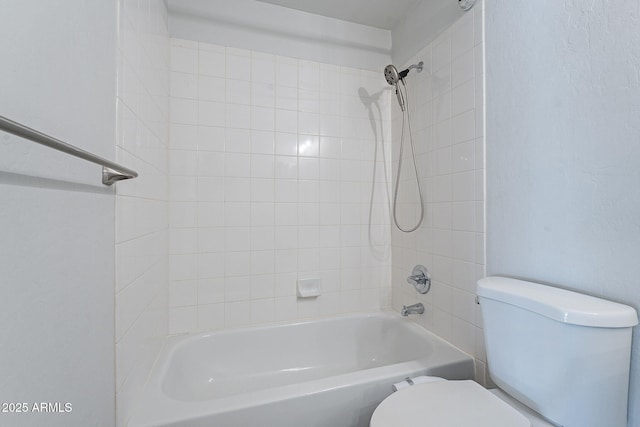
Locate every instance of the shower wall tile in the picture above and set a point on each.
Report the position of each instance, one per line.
(447, 112)
(271, 166)
(142, 215)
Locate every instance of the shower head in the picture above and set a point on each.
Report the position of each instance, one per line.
(391, 74)
(393, 77)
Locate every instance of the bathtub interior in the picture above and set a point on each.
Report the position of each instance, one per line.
(331, 372)
(212, 367)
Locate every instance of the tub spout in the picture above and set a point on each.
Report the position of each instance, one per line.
(412, 309)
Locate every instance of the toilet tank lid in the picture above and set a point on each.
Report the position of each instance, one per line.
(558, 304)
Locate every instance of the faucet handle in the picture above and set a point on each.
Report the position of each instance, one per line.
(420, 279)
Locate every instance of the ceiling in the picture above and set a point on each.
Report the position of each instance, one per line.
(383, 14)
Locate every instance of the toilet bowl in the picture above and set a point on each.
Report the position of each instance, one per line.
(444, 403)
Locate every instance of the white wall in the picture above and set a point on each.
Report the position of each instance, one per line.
(446, 105)
(142, 283)
(422, 24)
(254, 25)
(272, 161)
(57, 229)
(563, 148)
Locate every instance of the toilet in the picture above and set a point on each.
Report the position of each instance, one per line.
(559, 358)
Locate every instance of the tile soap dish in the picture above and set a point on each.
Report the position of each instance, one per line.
(308, 288)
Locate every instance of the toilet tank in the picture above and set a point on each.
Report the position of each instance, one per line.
(563, 354)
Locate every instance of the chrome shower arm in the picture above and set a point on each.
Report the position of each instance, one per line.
(419, 66)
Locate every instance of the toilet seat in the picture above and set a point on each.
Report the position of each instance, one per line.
(446, 404)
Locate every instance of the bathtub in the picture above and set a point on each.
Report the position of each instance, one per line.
(329, 373)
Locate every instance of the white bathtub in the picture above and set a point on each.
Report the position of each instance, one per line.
(329, 373)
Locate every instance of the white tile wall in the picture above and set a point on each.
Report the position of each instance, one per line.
(446, 106)
(271, 164)
(142, 217)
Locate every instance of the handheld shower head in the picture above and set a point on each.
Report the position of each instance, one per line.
(391, 74)
(393, 77)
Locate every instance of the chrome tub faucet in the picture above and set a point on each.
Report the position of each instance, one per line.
(412, 309)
